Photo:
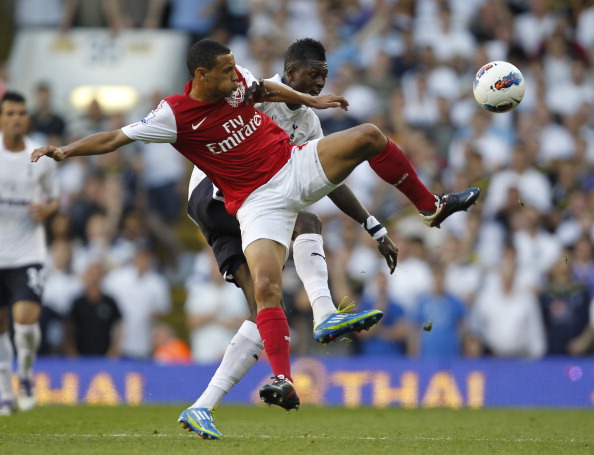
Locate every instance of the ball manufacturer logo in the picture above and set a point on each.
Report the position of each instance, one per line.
(480, 73)
(507, 81)
(483, 70)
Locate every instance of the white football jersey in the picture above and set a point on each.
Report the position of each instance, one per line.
(302, 125)
(22, 241)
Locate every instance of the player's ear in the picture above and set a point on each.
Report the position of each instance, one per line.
(200, 73)
(290, 73)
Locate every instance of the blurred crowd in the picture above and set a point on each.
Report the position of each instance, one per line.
(513, 277)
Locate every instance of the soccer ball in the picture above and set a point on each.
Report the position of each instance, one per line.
(498, 86)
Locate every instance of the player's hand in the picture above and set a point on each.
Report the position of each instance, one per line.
(50, 151)
(388, 249)
(257, 93)
(37, 212)
(329, 101)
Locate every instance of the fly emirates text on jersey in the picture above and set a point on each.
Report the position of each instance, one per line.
(238, 131)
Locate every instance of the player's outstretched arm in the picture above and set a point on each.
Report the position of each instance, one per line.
(348, 203)
(95, 144)
(285, 94)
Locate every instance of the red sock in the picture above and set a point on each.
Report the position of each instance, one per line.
(392, 165)
(274, 330)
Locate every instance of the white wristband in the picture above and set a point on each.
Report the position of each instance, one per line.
(374, 228)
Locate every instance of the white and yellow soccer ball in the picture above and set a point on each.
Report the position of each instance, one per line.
(499, 86)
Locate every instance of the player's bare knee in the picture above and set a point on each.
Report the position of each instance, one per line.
(26, 312)
(307, 223)
(268, 292)
(370, 139)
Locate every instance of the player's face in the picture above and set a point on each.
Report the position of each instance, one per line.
(14, 119)
(309, 79)
(222, 79)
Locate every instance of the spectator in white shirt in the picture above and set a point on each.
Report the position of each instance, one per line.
(413, 276)
(537, 248)
(533, 27)
(506, 316)
(214, 310)
(142, 294)
(61, 288)
(533, 186)
(484, 139)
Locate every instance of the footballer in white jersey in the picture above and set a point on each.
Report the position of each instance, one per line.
(22, 184)
(28, 196)
(301, 124)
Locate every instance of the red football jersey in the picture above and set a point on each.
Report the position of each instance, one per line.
(236, 146)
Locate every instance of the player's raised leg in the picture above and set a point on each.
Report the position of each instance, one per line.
(341, 152)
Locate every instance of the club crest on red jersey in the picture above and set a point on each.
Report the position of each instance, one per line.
(236, 97)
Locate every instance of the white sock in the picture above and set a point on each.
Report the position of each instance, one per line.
(26, 342)
(6, 357)
(310, 263)
(243, 352)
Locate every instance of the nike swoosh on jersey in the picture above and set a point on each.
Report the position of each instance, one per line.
(197, 125)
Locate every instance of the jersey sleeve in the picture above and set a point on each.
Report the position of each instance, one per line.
(158, 126)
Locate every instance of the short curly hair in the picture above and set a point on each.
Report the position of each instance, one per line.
(303, 51)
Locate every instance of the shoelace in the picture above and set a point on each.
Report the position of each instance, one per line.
(348, 308)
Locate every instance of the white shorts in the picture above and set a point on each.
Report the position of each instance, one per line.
(270, 211)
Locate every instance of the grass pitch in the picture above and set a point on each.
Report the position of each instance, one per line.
(147, 430)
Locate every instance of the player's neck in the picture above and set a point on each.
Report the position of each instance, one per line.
(13, 144)
(195, 95)
(292, 107)
(199, 94)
